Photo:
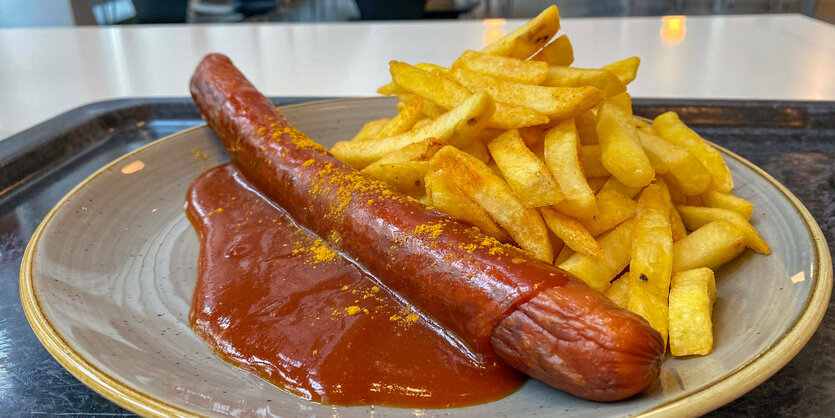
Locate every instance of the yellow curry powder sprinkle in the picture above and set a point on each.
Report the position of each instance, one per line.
(405, 317)
(353, 310)
(434, 231)
(318, 252)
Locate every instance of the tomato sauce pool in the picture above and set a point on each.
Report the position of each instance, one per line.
(274, 299)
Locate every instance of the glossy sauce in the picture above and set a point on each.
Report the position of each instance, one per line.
(274, 299)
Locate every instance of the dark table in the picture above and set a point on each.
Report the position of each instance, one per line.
(793, 141)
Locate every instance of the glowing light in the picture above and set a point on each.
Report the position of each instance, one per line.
(799, 277)
(493, 31)
(673, 29)
(133, 167)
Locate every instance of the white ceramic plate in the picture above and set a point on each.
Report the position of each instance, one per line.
(107, 278)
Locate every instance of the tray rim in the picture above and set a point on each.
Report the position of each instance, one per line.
(732, 386)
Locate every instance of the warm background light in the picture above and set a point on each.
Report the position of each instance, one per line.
(133, 167)
(493, 31)
(673, 29)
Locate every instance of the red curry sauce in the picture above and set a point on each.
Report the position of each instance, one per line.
(275, 299)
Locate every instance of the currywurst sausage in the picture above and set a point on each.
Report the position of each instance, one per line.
(496, 300)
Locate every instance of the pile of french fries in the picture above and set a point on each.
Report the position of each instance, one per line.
(549, 157)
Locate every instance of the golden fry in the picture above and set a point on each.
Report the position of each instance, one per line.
(558, 52)
(531, 181)
(562, 157)
(597, 272)
(446, 197)
(404, 120)
(406, 177)
(555, 102)
(612, 209)
(618, 292)
(529, 38)
(370, 130)
(472, 110)
(477, 181)
(709, 246)
(571, 232)
(558, 76)
(592, 166)
(652, 259)
(443, 92)
(510, 69)
(692, 295)
(730, 201)
(695, 217)
(625, 70)
(587, 127)
(677, 162)
(671, 128)
(621, 153)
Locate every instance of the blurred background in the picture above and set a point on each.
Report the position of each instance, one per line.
(28, 13)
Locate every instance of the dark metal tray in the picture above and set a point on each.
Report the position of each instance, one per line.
(793, 141)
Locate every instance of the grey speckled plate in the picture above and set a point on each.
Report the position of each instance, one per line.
(107, 279)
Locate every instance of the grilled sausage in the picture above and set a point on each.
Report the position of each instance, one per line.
(495, 299)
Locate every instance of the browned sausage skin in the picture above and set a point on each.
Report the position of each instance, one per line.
(488, 295)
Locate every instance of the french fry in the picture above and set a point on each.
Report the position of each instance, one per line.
(676, 225)
(612, 209)
(695, 200)
(470, 111)
(652, 259)
(597, 272)
(390, 89)
(596, 183)
(477, 149)
(671, 128)
(404, 120)
(586, 123)
(563, 255)
(528, 177)
(695, 217)
(592, 166)
(679, 230)
(528, 38)
(678, 162)
(370, 130)
(571, 232)
(446, 197)
(427, 66)
(406, 177)
(562, 157)
(489, 191)
(510, 69)
(618, 292)
(676, 194)
(621, 153)
(419, 151)
(555, 102)
(558, 52)
(558, 76)
(429, 110)
(532, 135)
(692, 295)
(614, 184)
(447, 94)
(709, 246)
(625, 70)
(730, 201)
(406, 168)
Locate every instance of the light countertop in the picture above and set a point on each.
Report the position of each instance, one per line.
(44, 72)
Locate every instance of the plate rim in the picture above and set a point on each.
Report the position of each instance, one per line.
(735, 384)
